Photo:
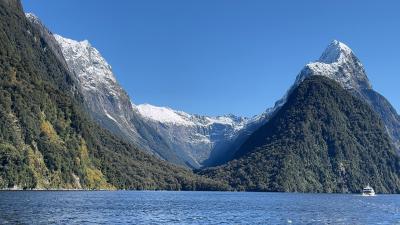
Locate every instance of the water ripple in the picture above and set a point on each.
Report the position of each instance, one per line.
(130, 207)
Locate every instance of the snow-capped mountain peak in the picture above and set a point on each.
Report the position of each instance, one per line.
(335, 52)
(339, 63)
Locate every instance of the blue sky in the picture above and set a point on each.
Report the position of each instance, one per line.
(217, 57)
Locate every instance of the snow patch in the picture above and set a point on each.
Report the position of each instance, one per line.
(170, 116)
(87, 63)
(110, 117)
(32, 17)
(164, 115)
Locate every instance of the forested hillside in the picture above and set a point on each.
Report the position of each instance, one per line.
(322, 140)
(46, 138)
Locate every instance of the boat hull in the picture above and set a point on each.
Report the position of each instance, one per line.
(368, 194)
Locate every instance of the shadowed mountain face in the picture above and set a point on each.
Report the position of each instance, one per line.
(47, 139)
(323, 139)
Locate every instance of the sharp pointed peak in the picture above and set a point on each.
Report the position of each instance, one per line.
(335, 52)
(339, 63)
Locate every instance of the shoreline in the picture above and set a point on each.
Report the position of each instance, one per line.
(116, 190)
(61, 189)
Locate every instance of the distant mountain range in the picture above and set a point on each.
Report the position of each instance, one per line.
(65, 122)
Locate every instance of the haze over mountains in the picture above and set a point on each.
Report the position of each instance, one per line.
(67, 123)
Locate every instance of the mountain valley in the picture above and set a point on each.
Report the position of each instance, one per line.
(67, 123)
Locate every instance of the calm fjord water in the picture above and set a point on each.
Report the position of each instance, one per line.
(136, 207)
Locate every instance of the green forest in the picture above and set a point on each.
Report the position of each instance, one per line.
(46, 138)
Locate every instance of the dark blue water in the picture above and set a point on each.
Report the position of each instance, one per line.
(130, 207)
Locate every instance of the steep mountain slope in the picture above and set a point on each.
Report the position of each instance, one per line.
(48, 38)
(176, 136)
(339, 63)
(108, 103)
(323, 139)
(46, 139)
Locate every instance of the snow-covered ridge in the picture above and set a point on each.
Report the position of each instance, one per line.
(164, 115)
(32, 17)
(170, 116)
(93, 68)
(94, 72)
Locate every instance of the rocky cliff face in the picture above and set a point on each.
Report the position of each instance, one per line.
(108, 102)
(339, 63)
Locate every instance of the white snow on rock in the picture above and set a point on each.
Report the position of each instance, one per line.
(170, 116)
(335, 52)
(110, 117)
(93, 68)
(32, 17)
(338, 63)
(164, 115)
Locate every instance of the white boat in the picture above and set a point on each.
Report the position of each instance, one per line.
(368, 191)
